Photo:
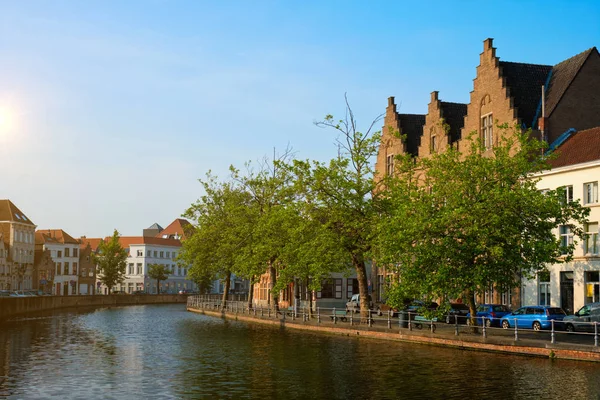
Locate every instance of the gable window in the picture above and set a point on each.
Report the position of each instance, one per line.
(487, 130)
(434, 144)
(544, 286)
(566, 237)
(590, 192)
(389, 165)
(591, 238)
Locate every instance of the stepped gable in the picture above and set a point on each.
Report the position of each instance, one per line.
(454, 115)
(412, 126)
(525, 83)
(563, 74)
(10, 212)
(579, 148)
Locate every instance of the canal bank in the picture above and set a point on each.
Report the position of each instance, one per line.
(17, 306)
(523, 347)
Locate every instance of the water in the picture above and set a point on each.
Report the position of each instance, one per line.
(162, 351)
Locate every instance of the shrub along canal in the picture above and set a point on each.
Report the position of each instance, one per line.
(162, 351)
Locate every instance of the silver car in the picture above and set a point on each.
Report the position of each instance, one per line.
(583, 320)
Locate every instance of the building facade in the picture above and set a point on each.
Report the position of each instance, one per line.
(18, 235)
(64, 250)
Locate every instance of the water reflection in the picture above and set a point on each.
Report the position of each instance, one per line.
(165, 352)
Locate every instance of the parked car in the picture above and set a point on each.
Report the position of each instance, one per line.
(4, 293)
(534, 317)
(139, 292)
(354, 304)
(457, 314)
(583, 320)
(18, 293)
(491, 312)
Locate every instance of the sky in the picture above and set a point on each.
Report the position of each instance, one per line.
(110, 111)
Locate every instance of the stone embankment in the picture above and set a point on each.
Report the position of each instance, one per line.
(442, 337)
(15, 306)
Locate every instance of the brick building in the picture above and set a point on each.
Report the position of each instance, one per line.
(18, 235)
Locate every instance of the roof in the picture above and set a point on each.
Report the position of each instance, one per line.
(579, 148)
(155, 226)
(454, 115)
(54, 236)
(128, 241)
(525, 82)
(562, 75)
(179, 228)
(10, 212)
(411, 125)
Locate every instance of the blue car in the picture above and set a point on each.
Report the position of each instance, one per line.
(534, 317)
(491, 312)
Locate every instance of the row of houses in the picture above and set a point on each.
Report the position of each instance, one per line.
(560, 104)
(54, 262)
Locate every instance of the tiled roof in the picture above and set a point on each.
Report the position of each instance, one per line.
(54, 236)
(454, 116)
(562, 76)
(581, 147)
(180, 227)
(525, 83)
(155, 226)
(10, 212)
(412, 126)
(128, 241)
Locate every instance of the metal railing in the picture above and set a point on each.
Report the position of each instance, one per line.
(553, 331)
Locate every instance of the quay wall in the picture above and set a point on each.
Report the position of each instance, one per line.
(403, 335)
(15, 306)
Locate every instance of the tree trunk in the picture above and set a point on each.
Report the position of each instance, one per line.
(158, 286)
(272, 295)
(251, 294)
(226, 290)
(472, 308)
(358, 261)
(309, 295)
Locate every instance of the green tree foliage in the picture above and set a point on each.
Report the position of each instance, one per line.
(460, 223)
(343, 197)
(111, 261)
(159, 272)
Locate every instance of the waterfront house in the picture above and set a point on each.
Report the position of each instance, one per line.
(64, 250)
(18, 237)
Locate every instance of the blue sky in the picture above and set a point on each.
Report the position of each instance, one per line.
(111, 110)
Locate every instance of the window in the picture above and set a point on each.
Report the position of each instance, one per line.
(131, 269)
(544, 288)
(568, 193)
(174, 256)
(351, 287)
(59, 254)
(168, 254)
(58, 269)
(590, 192)
(74, 268)
(487, 130)
(591, 238)
(75, 253)
(330, 289)
(506, 298)
(566, 237)
(149, 253)
(140, 253)
(139, 269)
(389, 165)
(67, 250)
(434, 145)
(488, 295)
(66, 269)
(162, 254)
(155, 253)
(592, 286)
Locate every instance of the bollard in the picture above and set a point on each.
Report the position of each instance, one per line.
(351, 317)
(432, 327)
(318, 315)
(409, 323)
(269, 312)
(283, 312)
(552, 333)
(596, 334)
(261, 311)
(516, 331)
(455, 325)
(294, 315)
(369, 318)
(484, 330)
(254, 310)
(389, 320)
(334, 316)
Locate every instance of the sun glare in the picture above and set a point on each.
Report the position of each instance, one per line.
(7, 120)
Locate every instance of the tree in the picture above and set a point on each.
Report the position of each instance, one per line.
(343, 195)
(460, 223)
(111, 261)
(160, 272)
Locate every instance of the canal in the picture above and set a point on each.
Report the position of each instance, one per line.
(163, 351)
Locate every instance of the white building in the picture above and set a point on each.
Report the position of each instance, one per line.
(574, 284)
(64, 250)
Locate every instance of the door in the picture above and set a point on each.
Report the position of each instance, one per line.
(566, 291)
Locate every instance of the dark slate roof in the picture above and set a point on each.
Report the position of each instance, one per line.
(562, 76)
(454, 115)
(525, 83)
(579, 148)
(411, 125)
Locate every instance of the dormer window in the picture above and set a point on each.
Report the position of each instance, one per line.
(487, 130)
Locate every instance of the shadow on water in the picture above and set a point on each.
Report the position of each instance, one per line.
(162, 351)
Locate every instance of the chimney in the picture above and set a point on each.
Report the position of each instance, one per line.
(434, 96)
